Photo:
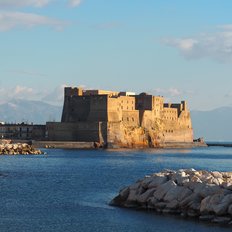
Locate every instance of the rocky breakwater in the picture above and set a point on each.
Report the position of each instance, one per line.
(189, 193)
(18, 148)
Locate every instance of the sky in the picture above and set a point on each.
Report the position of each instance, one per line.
(179, 49)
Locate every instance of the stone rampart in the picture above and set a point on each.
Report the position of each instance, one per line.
(120, 120)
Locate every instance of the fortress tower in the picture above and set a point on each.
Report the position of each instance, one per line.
(121, 119)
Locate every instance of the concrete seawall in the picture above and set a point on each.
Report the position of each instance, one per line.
(64, 145)
(93, 145)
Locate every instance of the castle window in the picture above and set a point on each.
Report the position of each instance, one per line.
(127, 107)
(133, 119)
(128, 119)
(122, 107)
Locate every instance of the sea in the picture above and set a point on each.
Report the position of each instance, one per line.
(70, 190)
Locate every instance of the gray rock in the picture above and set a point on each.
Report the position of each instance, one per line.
(192, 193)
(157, 181)
(221, 220)
(144, 197)
(132, 197)
(173, 204)
(222, 207)
(230, 209)
(163, 189)
(206, 217)
(173, 193)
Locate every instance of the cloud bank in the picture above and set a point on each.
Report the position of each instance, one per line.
(216, 45)
(75, 3)
(52, 96)
(34, 3)
(171, 92)
(23, 3)
(10, 20)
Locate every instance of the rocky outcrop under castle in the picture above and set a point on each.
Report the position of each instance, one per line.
(190, 193)
(18, 149)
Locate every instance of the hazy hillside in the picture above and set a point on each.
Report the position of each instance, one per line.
(29, 111)
(215, 125)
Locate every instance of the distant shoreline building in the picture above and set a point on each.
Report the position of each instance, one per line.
(121, 119)
(22, 131)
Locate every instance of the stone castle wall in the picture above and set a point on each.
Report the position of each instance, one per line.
(123, 120)
(81, 131)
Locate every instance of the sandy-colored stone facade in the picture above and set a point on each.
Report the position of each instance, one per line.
(121, 119)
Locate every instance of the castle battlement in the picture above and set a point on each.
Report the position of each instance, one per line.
(126, 118)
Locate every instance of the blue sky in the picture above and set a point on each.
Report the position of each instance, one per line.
(178, 49)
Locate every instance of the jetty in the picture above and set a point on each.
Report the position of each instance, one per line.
(187, 192)
(9, 148)
(219, 144)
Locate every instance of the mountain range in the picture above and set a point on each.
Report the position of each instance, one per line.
(38, 112)
(214, 125)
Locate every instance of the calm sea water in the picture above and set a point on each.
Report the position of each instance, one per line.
(69, 190)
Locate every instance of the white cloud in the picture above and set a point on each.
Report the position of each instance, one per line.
(10, 20)
(23, 3)
(186, 45)
(216, 45)
(53, 96)
(171, 92)
(56, 96)
(34, 3)
(21, 92)
(75, 3)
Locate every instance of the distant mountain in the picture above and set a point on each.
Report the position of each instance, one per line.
(214, 125)
(17, 111)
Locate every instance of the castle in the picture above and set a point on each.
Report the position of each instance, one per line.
(121, 119)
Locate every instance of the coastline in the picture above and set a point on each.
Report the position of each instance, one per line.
(93, 145)
(219, 144)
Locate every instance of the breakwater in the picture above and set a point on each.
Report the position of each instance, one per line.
(219, 144)
(18, 149)
(189, 193)
(65, 144)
